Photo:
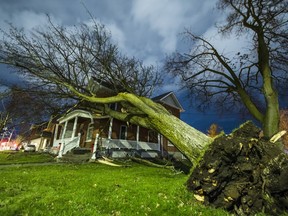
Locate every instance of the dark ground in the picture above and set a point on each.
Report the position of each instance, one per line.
(243, 174)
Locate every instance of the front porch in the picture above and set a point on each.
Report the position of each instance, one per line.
(74, 130)
(80, 130)
(112, 148)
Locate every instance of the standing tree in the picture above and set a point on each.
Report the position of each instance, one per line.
(72, 62)
(4, 118)
(27, 107)
(216, 78)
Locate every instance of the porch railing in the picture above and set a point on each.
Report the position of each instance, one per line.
(129, 144)
(71, 144)
(67, 145)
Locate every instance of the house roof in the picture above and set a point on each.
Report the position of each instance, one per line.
(169, 99)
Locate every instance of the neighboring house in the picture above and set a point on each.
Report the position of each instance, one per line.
(33, 136)
(105, 135)
(41, 135)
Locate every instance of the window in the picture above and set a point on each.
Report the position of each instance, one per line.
(59, 132)
(89, 133)
(123, 132)
(152, 136)
(113, 106)
(69, 129)
(170, 143)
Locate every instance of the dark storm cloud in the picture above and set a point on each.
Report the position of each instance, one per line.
(146, 29)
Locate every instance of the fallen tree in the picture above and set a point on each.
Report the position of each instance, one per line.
(146, 113)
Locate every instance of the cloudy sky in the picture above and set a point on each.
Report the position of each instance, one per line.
(146, 29)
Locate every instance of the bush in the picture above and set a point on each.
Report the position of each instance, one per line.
(213, 130)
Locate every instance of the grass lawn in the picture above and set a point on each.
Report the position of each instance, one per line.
(19, 157)
(96, 189)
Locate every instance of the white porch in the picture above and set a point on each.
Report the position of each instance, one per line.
(118, 148)
(129, 144)
(68, 138)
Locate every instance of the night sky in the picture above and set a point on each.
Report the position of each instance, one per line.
(146, 29)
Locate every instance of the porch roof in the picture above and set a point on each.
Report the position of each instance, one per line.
(76, 113)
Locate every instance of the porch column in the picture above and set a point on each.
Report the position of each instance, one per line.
(55, 134)
(41, 143)
(74, 127)
(95, 147)
(137, 137)
(159, 141)
(78, 141)
(110, 129)
(62, 141)
(44, 143)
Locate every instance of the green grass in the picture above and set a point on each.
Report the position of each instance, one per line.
(19, 157)
(96, 189)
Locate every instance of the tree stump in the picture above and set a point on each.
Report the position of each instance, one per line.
(243, 174)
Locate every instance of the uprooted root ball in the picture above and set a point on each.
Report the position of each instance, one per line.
(243, 174)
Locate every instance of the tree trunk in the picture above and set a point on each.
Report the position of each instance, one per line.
(187, 139)
(271, 118)
(146, 113)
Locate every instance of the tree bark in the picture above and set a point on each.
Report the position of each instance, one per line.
(187, 139)
(271, 119)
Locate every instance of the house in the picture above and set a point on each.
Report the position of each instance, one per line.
(101, 134)
(40, 135)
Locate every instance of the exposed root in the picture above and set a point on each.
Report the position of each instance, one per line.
(277, 136)
(108, 163)
(149, 163)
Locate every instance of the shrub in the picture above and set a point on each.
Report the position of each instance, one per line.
(213, 130)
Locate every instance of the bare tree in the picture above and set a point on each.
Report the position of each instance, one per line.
(73, 63)
(4, 118)
(4, 114)
(28, 107)
(215, 78)
(77, 54)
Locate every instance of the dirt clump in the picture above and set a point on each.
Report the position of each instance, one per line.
(243, 174)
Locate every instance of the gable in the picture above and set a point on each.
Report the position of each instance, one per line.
(169, 99)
